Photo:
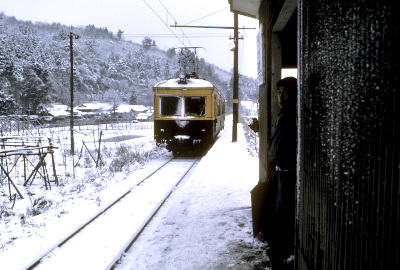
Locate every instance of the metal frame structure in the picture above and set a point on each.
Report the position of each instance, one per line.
(29, 153)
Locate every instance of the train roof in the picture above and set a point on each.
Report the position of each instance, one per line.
(191, 83)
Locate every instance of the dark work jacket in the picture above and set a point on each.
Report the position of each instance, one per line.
(281, 211)
(283, 146)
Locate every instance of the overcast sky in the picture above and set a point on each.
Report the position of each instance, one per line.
(140, 18)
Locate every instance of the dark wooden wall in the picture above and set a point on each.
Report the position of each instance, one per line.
(349, 192)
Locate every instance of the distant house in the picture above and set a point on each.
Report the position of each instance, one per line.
(90, 109)
(130, 111)
(58, 110)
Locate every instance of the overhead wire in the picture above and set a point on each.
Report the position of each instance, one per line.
(176, 23)
(185, 36)
(205, 16)
(192, 35)
(183, 43)
(199, 35)
(219, 35)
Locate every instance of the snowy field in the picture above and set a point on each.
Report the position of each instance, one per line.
(122, 151)
(206, 223)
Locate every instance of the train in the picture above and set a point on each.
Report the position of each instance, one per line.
(189, 113)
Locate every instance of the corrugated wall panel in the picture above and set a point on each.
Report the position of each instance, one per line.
(349, 176)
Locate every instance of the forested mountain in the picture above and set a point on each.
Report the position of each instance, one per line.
(35, 67)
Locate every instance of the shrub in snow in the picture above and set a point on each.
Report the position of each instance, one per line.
(124, 156)
(5, 210)
(39, 206)
(127, 155)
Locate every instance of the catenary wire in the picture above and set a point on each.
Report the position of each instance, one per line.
(183, 43)
(175, 22)
(194, 35)
(206, 16)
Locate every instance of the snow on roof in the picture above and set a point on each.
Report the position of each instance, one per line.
(190, 83)
(128, 108)
(89, 106)
(58, 109)
(95, 106)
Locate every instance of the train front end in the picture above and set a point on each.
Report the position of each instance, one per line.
(187, 114)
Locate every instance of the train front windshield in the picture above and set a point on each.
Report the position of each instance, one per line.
(173, 106)
(195, 106)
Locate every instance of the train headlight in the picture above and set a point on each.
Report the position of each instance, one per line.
(161, 129)
(203, 130)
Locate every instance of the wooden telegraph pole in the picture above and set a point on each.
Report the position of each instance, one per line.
(235, 78)
(72, 36)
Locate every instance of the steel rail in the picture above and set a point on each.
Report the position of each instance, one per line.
(136, 235)
(79, 228)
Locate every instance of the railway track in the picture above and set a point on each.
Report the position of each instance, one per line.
(100, 241)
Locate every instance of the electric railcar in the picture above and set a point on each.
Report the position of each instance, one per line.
(188, 113)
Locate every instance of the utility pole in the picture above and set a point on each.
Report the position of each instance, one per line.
(235, 78)
(72, 36)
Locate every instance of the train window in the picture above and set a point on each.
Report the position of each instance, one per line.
(171, 106)
(195, 106)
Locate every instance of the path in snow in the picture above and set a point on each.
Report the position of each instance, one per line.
(206, 224)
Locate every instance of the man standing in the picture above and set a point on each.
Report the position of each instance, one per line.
(283, 166)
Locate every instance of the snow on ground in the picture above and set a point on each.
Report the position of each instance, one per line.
(82, 188)
(206, 223)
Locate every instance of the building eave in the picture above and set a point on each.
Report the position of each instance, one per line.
(247, 8)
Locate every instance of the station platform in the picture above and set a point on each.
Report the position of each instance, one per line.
(206, 223)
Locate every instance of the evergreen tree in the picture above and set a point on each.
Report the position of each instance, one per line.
(32, 93)
(156, 68)
(171, 53)
(119, 34)
(133, 99)
(167, 73)
(8, 104)
(147, 43)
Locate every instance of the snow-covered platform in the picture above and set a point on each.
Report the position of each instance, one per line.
(206, 223)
